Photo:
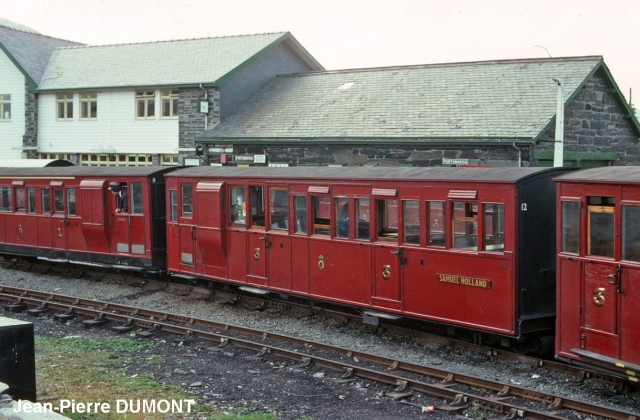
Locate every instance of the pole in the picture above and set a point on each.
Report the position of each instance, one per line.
(558, 151)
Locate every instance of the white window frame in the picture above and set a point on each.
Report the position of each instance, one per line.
(87, 100)
(65, 99)
(170, 97)
(5, 107)
(145, 97)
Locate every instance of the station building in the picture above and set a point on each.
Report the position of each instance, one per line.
(496, 113)
(264, 100)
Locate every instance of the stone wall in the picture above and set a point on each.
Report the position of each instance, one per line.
(191, 121)
(380, 156)
(595, 123)
(30, 137)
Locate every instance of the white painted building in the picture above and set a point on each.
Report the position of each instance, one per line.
(130, 104)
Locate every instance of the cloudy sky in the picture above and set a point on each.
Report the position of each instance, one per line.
(365, 33)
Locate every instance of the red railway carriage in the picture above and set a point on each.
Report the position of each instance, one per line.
(92, 215)
(468, 247)
(598, 273)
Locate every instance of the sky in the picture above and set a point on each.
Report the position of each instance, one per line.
(344, 34)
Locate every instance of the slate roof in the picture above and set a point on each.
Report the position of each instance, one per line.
(480, 101)
(30, 51)
(209, 61)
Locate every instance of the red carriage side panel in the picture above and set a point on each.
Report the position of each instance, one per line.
(568, 308)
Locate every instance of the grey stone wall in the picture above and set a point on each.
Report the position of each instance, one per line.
(30, 137)
(190, 121)
(380, 156)
(595, 123)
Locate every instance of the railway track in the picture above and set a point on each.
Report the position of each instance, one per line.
(460, 390)
(182, 285)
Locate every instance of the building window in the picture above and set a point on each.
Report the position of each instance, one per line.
(169, 103)
(64, 156)
(145, 104)
(89, 106)
(64, 106)
(5, 107)
(114, 160)
(169, 160)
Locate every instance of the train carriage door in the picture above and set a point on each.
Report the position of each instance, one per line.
(59, 221)
(210, 235)
(257, 237)
(279, 245)
(601, 301)
(388, 255)
(187, 229)
(128, 218)
(93, 215)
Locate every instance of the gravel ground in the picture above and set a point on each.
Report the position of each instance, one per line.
(235, 379)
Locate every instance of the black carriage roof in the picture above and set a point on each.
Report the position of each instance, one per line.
(605, 174)
(104, 171)
(510, 174)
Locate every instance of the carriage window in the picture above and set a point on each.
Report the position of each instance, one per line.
(571, 227)
(187, 203)
(136, 198)
(5, 199)
(435, 217)
(631, 233)
(279, 202)
(20, 204)
(31, 200)
(238, 211)
(465, 225)
(58, 201)
(342, 218)
(173, 199)
(411, 222)
(321, 215)
(387, 220)
(300, 210)
(493, 227)
(600, 220)
(46, 201)
(71, 201)
(257, 206)
(362, 218)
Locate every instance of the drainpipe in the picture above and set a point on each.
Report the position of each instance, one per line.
(558, 151)
(519, 154)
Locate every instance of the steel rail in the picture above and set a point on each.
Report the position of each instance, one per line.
(160, 320)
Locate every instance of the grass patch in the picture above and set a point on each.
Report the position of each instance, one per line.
(92, 371)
